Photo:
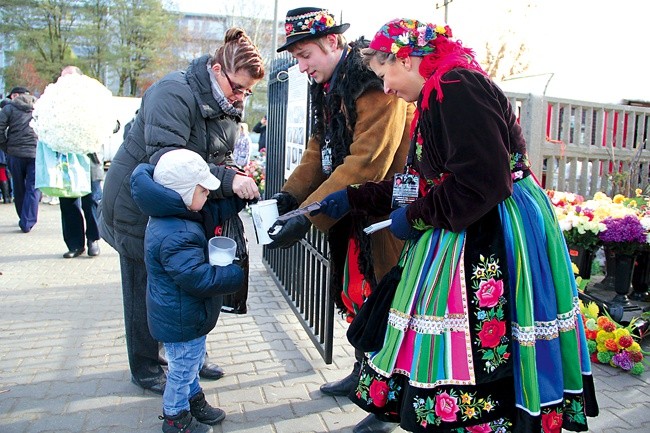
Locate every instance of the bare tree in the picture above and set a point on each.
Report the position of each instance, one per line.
(502, 62)
(506, 53)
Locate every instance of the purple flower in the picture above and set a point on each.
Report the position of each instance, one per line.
(624, 234)
(622, 359)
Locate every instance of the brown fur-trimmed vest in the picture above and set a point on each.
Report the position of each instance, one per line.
(369, 133)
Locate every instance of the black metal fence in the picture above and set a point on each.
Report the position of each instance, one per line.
(302, 271)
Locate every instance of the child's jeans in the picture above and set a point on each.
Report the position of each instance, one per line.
(184, 360)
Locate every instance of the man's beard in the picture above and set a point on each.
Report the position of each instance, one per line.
(238, 105)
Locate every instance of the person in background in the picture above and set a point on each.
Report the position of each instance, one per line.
(5, 185)
(260, 128)
(79, 214)
(242, 151)
(194, 109)
(5, 182)
(5, 175)
(184, 292)
(484, 333)
(5, 100)
(361, 134)
(18, 140)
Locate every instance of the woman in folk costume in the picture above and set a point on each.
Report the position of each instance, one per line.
(484, 332)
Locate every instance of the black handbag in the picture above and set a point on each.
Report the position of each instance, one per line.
(234, 229)
(368, 329)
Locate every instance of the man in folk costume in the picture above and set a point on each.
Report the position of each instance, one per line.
(360, 134)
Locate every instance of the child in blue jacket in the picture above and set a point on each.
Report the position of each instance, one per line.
(184, 292)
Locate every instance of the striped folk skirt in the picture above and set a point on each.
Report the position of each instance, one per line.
(484, 332)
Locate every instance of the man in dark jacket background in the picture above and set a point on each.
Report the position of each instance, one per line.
(198, 109)
(18, 140)
(260, 128)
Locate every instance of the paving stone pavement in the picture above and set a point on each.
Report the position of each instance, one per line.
(63, 363)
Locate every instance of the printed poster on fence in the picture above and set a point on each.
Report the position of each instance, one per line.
(296, 132)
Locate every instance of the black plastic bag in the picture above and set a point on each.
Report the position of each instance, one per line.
(368, 329)
(234, 229)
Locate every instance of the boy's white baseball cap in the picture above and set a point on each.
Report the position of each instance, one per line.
(182, 170)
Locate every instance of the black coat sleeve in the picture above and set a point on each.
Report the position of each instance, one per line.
(467, 137)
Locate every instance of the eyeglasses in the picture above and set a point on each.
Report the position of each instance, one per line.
(237, 89)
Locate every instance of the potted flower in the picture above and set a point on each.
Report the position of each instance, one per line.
(641, 273)
(623, 237)
(580, 226)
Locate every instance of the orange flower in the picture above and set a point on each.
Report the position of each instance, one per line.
(610, 344)
(601, 321)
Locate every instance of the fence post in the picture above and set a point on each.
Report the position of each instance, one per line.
(532, 123)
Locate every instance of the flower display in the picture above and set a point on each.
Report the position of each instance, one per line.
(581, 229)
(624, 235)
(256, 169)
(563, 199)
(640, 202)
(609, 342)
(578, 220)
(584, 222)
(74, 115)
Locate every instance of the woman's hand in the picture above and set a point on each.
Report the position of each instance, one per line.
(334, 205)
(245, 187)
(401, 227)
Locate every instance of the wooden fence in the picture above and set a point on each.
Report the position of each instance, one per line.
(586, 147)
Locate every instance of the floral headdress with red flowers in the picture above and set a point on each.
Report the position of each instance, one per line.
(440, 54)
(406, 37)
(308, 23)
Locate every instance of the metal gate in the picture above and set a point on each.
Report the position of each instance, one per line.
(302, 271)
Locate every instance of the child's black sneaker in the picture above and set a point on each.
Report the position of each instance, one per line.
(183, 423)
(202, 411)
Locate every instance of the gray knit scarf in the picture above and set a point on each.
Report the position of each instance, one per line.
(218, 95)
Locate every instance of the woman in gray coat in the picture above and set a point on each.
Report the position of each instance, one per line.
(18, 140)
(198, 109)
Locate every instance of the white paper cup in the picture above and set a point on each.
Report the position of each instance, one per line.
(264, 214)
(221, 250)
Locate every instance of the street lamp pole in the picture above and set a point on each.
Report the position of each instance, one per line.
(274, 42)
(446, 6)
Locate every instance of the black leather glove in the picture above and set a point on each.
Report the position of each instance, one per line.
(286, 202)
(291, 231)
